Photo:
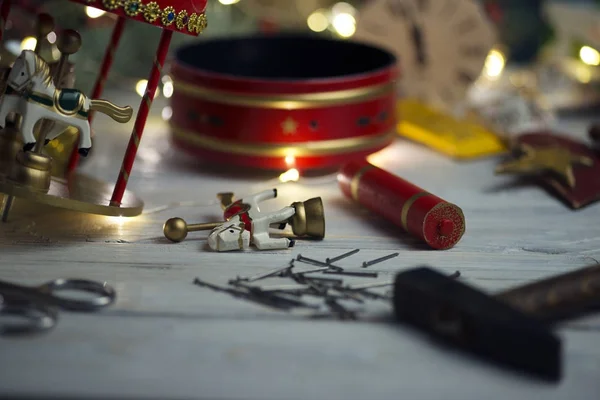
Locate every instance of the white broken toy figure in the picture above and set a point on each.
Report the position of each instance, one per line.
(246, 224)
(32, 94)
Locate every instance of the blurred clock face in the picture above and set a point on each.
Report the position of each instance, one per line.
(442, 45)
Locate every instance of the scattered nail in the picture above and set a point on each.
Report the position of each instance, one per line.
(342, 256)
(353, 273)
(455, 275)
(368, 285)
(378, 260)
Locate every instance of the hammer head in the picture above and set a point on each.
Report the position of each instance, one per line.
(475, 321)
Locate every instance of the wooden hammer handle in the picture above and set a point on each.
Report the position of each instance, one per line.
(559, 297)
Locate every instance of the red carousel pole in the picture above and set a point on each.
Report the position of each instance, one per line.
(100, 81)
(4, 10)
(142, 115)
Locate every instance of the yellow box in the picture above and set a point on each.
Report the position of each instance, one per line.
(461, 139)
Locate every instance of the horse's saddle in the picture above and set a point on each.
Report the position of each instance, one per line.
(69, 101)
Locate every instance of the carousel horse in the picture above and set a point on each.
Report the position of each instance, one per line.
(32, 94)
(247, 224)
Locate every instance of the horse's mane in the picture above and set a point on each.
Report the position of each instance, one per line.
(41, 68)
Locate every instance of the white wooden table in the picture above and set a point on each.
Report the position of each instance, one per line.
(168, 339)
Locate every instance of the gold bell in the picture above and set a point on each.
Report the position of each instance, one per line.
(32, 170)
(10, 145)
(309, 218)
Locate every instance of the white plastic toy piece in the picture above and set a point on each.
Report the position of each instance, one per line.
(37, 98)
(234, 234)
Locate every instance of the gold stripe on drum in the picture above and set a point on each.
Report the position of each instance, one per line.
(300, 149)
(287, 101)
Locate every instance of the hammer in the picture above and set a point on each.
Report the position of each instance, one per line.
(511, 328)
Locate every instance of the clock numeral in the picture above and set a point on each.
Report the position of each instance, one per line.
(397, 8)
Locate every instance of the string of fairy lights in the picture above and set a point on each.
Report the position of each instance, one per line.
(338, 19)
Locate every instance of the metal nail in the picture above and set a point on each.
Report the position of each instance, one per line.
(205, 284)
(267, 274)
(378, 260)
(454, 275)
(353, 273)
(342, 256)
(340, 310)
(307, 260)
(337, 293)
(300, 278)
(309, 271)
(280, 302)
(282, 288)
(373, 295)
(368, 285)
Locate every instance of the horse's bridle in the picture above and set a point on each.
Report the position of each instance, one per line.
(23, 86)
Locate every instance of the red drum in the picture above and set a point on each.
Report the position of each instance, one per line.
(278, 102)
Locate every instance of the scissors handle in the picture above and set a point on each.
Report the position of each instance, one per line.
(19, 315)
(104, 294)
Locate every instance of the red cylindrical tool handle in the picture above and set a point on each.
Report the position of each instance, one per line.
(439, 223)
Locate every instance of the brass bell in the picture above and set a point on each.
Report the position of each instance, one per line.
(10, 145)
(31, 170)
(309, 218)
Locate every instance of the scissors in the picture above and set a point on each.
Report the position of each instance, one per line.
(38, 306)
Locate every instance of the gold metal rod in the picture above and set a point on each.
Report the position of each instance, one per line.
(203, 227)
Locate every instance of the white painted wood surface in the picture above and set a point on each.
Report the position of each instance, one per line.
(168, 339)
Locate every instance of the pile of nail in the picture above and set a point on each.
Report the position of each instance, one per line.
(333, 293)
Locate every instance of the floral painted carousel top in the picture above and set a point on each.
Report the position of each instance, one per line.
(186, 16)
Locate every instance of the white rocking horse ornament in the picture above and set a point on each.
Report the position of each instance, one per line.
(32, 94)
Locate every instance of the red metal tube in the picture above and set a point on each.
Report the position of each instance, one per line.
(142, 116)
(100, 81)
(439, 223)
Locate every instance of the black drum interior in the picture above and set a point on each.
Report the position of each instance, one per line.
(284, 57)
